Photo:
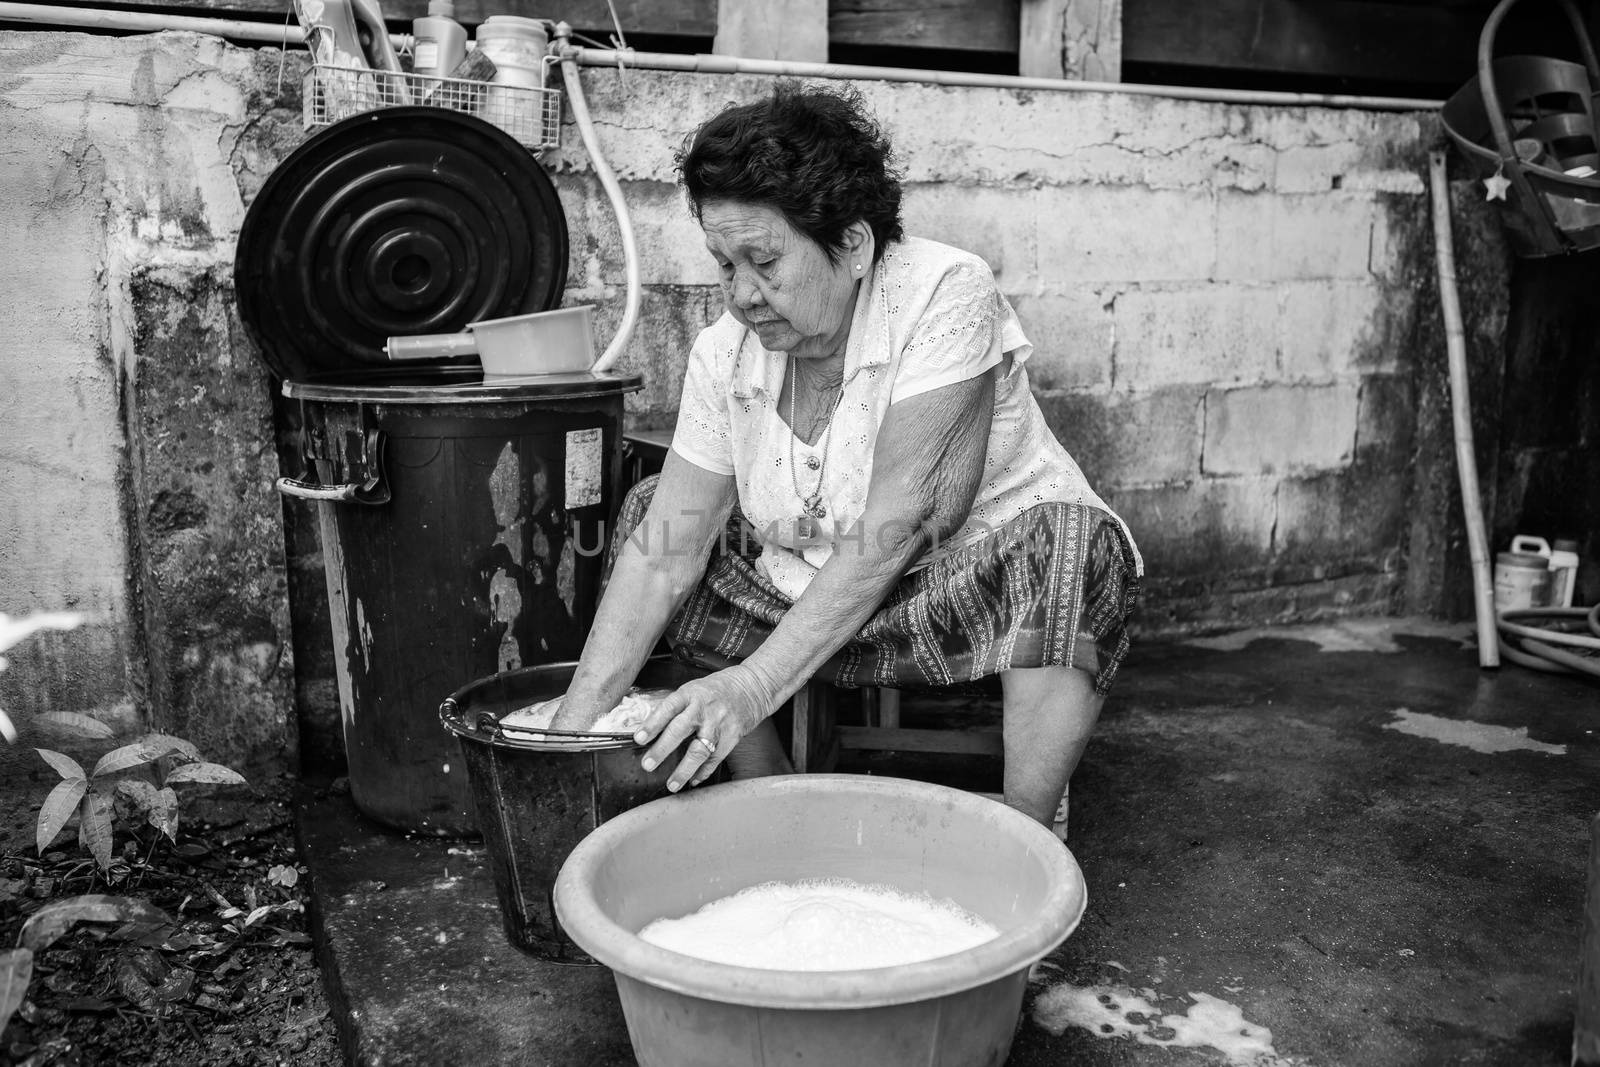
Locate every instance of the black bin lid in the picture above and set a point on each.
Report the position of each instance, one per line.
(398, 221)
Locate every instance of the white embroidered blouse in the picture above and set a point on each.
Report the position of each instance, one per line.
(929, 315)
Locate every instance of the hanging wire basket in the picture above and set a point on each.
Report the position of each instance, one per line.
(532, 115)
(1527, 124)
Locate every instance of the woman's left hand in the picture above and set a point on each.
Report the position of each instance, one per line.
(717, 711)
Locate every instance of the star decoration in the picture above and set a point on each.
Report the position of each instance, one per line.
(1496, 184)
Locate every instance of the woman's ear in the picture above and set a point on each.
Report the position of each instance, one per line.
(859, 246)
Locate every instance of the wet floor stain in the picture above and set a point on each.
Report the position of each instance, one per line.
(1343, 635)
(1478, 736)
(1119, 1012)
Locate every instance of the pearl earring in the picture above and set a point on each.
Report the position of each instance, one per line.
(858, 266)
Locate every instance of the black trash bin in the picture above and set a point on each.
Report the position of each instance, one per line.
(464, 527)
(463, 517)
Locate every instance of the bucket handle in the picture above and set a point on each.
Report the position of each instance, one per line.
(343, 493)
(1491, 98)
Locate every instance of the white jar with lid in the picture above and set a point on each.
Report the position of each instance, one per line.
(517, 46)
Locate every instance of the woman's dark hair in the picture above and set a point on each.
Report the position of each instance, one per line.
(814, 154)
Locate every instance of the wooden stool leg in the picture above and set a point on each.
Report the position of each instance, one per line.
(889, 709)
(814, 739)
(803, 703)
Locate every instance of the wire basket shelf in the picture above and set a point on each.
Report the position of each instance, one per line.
(531, 115)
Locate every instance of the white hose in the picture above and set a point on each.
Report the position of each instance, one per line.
(608, 179)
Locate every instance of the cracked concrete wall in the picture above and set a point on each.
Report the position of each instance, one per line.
(1232, 309)
(136, 455)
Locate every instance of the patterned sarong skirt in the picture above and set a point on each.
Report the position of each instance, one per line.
(1054, 587)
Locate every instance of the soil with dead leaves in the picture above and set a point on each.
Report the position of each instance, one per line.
(207, 961)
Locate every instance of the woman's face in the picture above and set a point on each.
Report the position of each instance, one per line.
(779, 282)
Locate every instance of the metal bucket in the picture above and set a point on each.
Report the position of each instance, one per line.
(538, 795)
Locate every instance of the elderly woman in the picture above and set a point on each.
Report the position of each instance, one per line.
(864, 403)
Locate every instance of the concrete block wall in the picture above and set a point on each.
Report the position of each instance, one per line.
(136, 455)
(1230, 307)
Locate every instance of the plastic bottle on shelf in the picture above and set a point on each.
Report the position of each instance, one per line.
(440, 41)
(1563, 572)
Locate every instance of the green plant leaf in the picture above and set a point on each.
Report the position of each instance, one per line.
(138, 791)
(57, 809)
(65, 766)
(163, 813)
(16, 971)
(7, 730)
(74, 723)
(166, 744)
(120, 759)
(94, 827)
(210, 773)
(56, 918)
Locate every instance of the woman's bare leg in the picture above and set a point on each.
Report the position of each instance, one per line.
(759, 753)
(1049, 715)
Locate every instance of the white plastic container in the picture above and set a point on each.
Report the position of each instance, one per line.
(440, 41)
(517, 46)
(1562, 562)
(1563, 572)
(1521, 581)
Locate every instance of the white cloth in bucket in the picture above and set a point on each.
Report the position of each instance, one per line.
(625, 718)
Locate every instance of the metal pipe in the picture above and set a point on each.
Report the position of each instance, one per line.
(266, 33)
(148, 22)
(711, 64)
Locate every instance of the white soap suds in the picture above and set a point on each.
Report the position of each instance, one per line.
(1113, 1011)
(626, 717)
(821, 925)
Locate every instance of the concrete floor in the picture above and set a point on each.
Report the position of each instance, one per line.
(1325, 845)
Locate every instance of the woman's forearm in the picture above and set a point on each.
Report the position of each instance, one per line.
(643, 593)
(656, 569)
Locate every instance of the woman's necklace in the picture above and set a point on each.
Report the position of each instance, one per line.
(812, 502)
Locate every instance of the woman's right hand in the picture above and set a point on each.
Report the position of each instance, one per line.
(716, 712)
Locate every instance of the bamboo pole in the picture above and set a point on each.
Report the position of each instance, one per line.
(1461, 412)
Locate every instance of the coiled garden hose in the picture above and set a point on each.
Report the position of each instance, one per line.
(1568, 642)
